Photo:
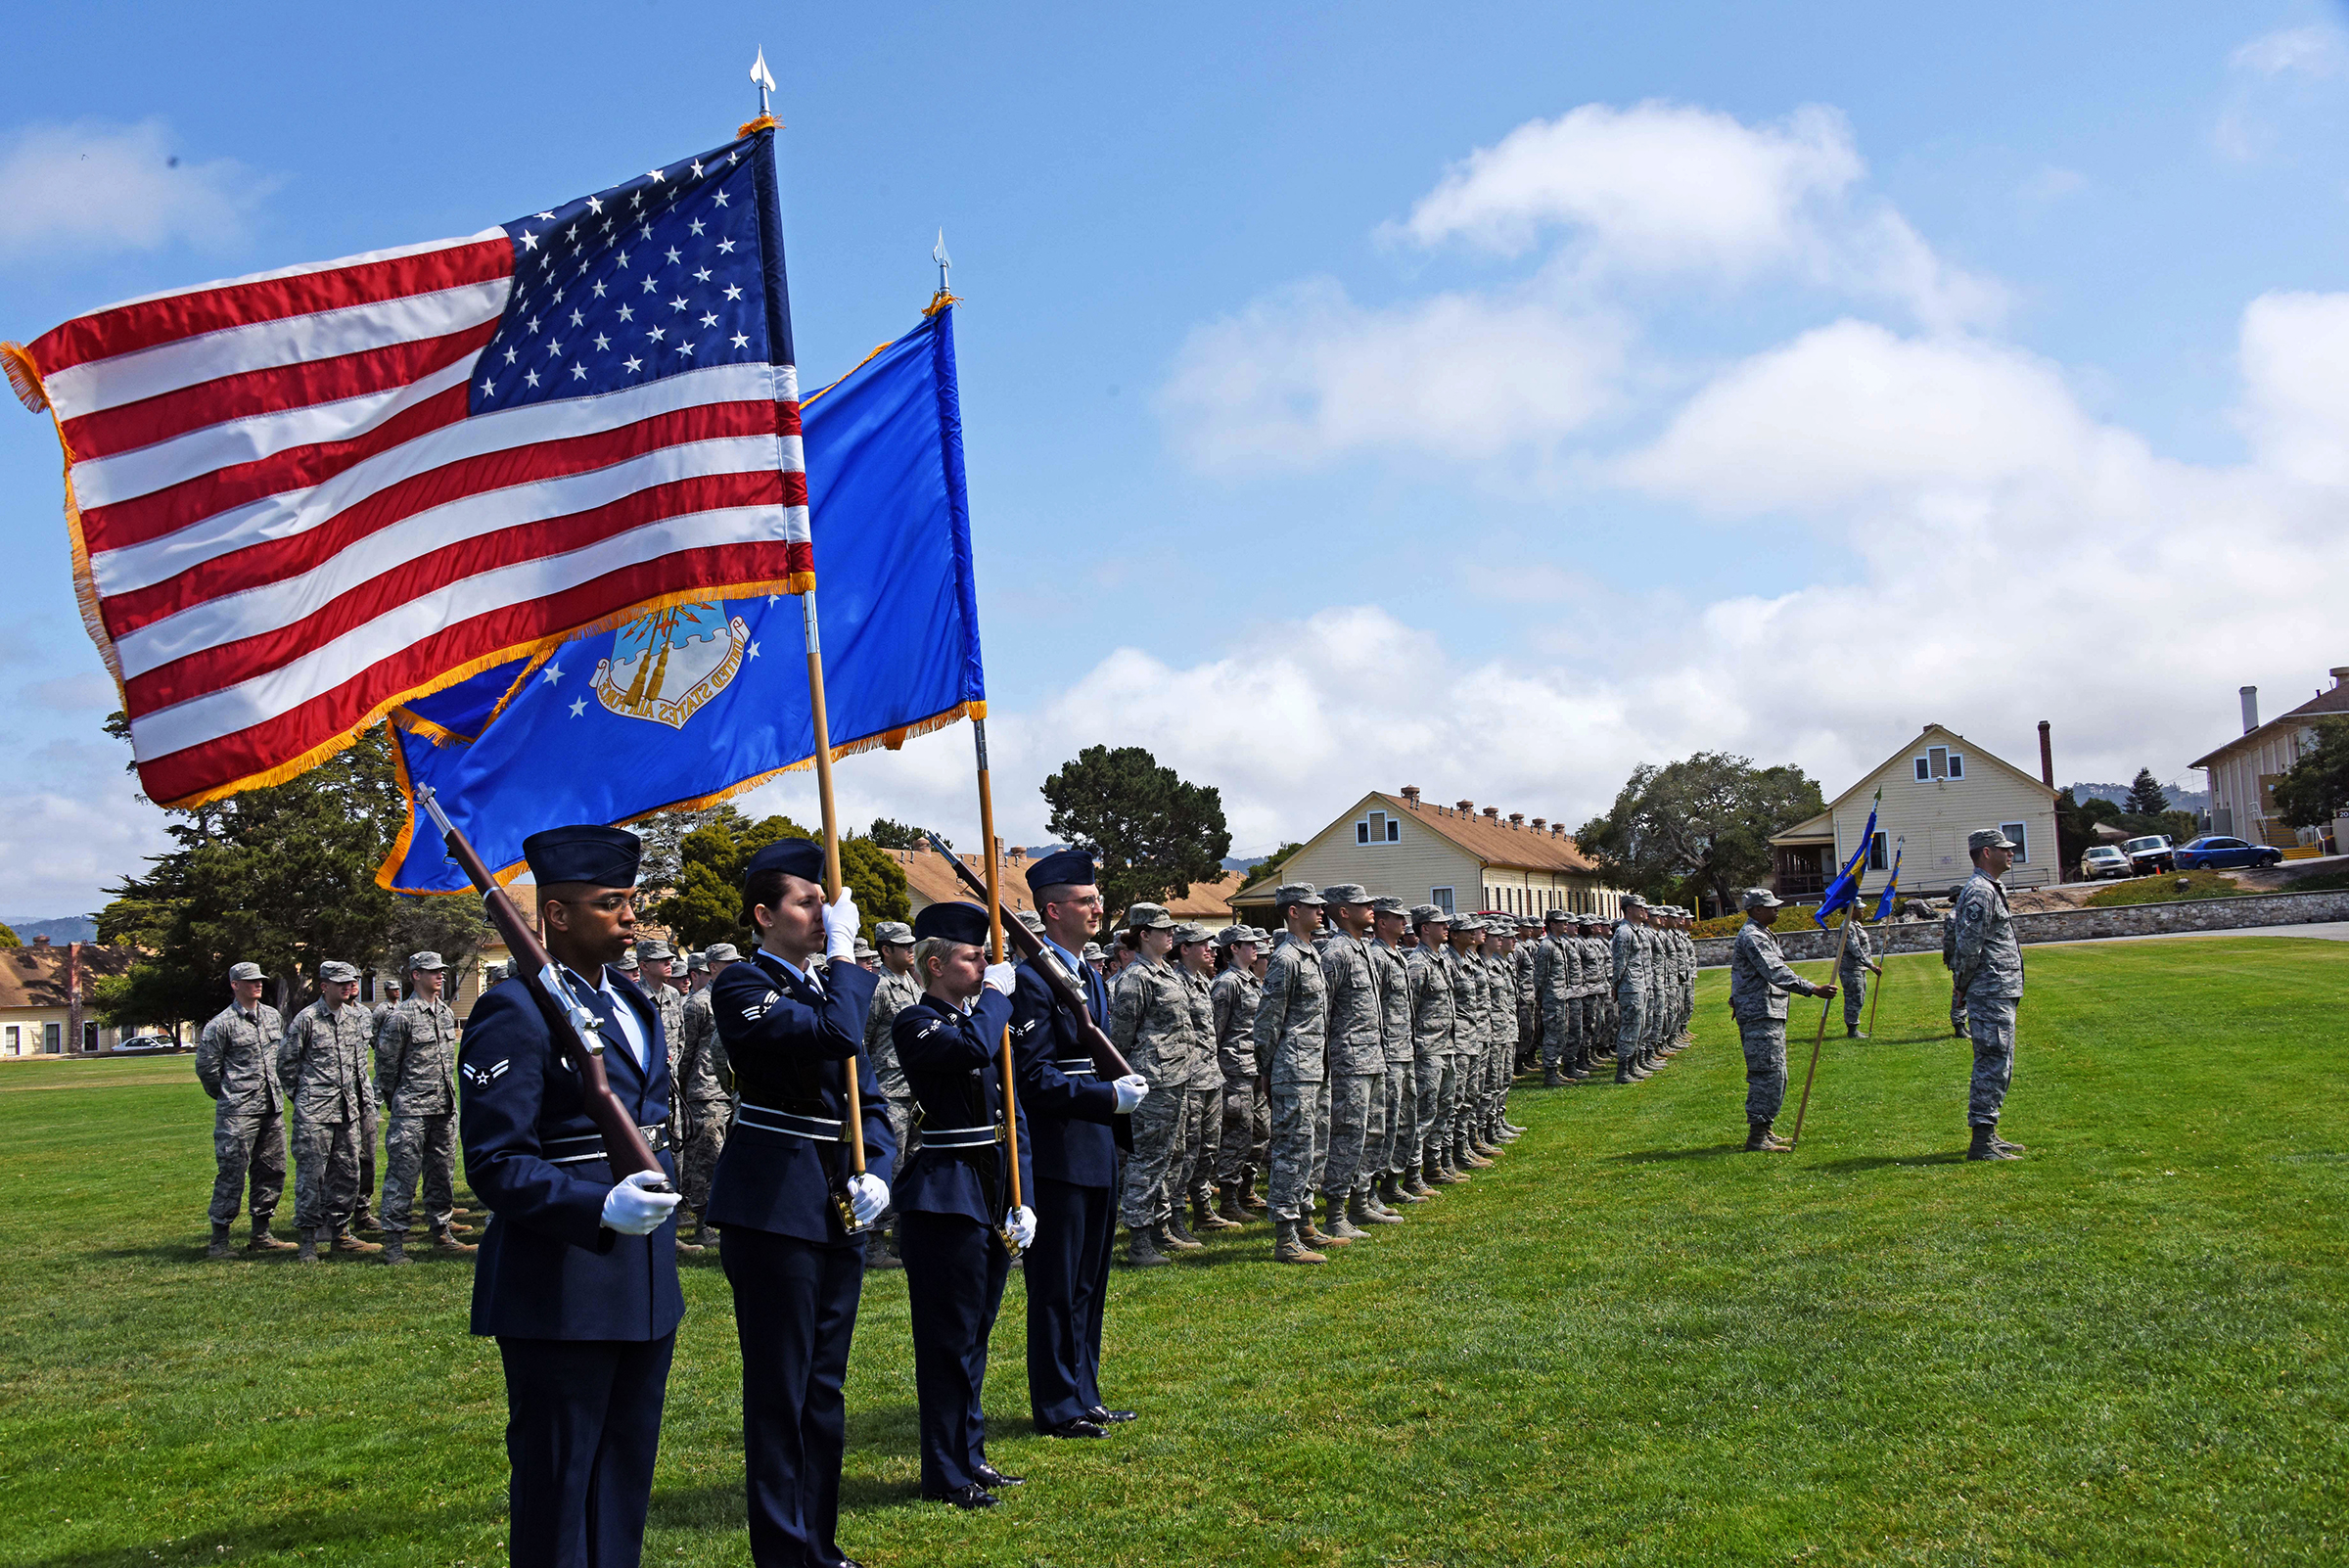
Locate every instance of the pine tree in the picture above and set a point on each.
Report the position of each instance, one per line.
(2147, 798)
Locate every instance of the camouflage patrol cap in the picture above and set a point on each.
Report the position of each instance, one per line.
(1633, 901)
(1551, 917)
(1989, 839)
(627, 964)
(865, 950)
(1231, 935)
(1462, 924)
(1289, 893)
(1092, 953)
(335, 970)
(895, 932)
(428, 962)
(1189, 932)
(1430, 914)
(1031, 919)
(1149, 917)
(652, 949)
(1344, 893)
(1390, 905)
(697, 961)
(1758, 899)
(244, 972)
(495, 973)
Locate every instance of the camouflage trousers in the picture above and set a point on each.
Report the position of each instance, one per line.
(1765, 1043)
(1990, 1021)
(247, 1145)
(1854, 997)
(1191, 1169)
(1557, 1034)
(1631, 1032)
(706, 1140)
(1321, 1128)
(1247, 1128)
(1353, 1096)
(366, 1188)
(1957, 1005)
(1291, 1150)
(1529, 1029)
(1397, 1125)
(419, 1147)
(1161, 1126)
(326, 1172)
(1436, 1082)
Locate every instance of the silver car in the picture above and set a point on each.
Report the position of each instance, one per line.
(2105, 860)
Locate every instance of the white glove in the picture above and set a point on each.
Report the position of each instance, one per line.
(840, 925)
(1020, 1222)
(868, 1196)
(633, 1211)
(1002, 977)
(1133, 1090)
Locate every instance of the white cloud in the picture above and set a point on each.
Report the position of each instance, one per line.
(2276, 78)
(91, 187)
(2050, 185)
(2297, 399)
(71, 823)
(2315, 50)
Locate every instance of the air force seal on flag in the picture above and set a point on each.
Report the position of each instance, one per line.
(666, 665)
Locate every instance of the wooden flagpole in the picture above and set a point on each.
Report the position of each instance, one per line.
(994, 928)
(1821, 1038)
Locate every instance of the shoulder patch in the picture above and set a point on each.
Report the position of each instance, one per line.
(483, 1077)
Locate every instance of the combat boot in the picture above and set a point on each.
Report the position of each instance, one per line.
(1623, 1073)
(1852, 1031)
(1289, 1247)
(1432, 1174)
(1250, 1199)
(1141, 1248)
(364, 1220)
(395, 1248)
(1339, 1229)
(705, 1237)
(306, 1249)
(1205, 1217)
(1228, 1205)
(1759, 1140)
(1552, 1078)
(2010, 1148)
(685, 1248)
(1391, 1192)
(1473, 1157)
(262, 1241)
(1361, 1210)
(1987, 1146)
(1414, 1184)
(218, 1246)
(345, 1242)
(1957, 1030)
(879, 1256)
(1175, 1236)
(445, 1239)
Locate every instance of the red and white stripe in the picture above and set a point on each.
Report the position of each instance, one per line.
(291, 523)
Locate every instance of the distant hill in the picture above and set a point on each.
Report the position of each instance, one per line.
(63, 928)
(2118, 794)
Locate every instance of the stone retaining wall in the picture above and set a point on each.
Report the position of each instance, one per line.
(1801, 940)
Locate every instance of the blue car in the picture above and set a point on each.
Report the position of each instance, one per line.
(2214, 850)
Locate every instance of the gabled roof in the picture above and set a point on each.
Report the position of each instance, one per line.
(2335, 700)
(1493, 839)
(1820, 828)
(930, 880)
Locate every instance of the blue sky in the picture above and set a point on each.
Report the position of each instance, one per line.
(1357, 395)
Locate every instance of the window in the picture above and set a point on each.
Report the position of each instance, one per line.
(1440, 897)
(52, 1038)
(15, 1040)
(1939, 756)
(2014, 831)
(89, 1036)
(1924, 770)
(1378, 828)
(1876, 861)
(1956, 765)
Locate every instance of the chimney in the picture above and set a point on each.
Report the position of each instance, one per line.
(1540, 825)
(40, 939)
(1410, 793)
(2047, 756)
(2340, 677)
(1516, 819)
(1492, 815)
(2250, 695)
(1465, 807)
(1557, 830)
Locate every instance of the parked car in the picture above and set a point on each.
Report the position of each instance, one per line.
(2151, 854)
(145, 1045)
(2103, 860)
(2217, 850)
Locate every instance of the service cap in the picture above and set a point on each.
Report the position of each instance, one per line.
(953, 921)
(600, 857)
(1062, 867)
(797, 858)
(246, 971)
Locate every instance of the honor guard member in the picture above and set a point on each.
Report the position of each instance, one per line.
(705, 1084)
(956, 1224)
(1394, 1153)
(1292, 1027)
(1430, 1000)
(416, 1074)
(577, 1277)
(1357, 1058)
(236, 1062)
(1240, 1154)
(895, 989)
(323, 1065)
(795, 1264)
(1853, 968)
(1150, 1024)
(1989, 970)
(1759, 983)
(1079, 1122)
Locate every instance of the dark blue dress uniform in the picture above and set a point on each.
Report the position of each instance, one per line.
(585, 1318)
(795, 1271)
(952, 1200)
(1077, 1136)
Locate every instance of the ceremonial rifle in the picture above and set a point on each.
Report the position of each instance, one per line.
(569, 1022)
(1108, 1060)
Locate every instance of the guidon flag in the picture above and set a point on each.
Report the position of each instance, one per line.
(303, 498)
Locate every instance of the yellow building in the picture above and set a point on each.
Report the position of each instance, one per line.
(2244, 771)
(1937, 789)
(45, 999)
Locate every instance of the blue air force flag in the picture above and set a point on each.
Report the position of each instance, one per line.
(686, 704)
(1844, 892)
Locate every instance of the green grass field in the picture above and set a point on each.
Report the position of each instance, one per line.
(1627, 1343)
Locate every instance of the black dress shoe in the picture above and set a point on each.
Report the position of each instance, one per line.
(971, 1497)
(994, 1479)
(1074, 1429)
(1102, 1415)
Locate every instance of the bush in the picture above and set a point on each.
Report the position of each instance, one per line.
(2166, 890)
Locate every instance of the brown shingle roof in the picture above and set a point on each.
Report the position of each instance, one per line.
(930, 880)
(1494, 840)
(36, 976)
(1207, 904)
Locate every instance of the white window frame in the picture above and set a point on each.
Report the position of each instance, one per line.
(1958, 764)
(1440, 897)
(2020, 832)
(1924, 770)
(1379, 827)
(1879, 858)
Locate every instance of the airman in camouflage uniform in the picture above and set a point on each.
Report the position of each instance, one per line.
(1758, 981)
(1501, 1038)
(1358, 1057)
(323, 1065)
(1397, 1155)
(1191, 1170)
(236, 1062)
(1426, 968)
(1949, 961)
(1630, 958)
(1235, 995)
(1853, 968)
(1290, 1038)
(416, 1074)
(1150, 1024)
(1988, 969)
(1524, 952)
(1557, 971)
(1601, 1024)
(705, 1083)
(1471, 1001)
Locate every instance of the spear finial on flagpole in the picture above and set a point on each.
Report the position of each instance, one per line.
(945, 297)
(765, 80)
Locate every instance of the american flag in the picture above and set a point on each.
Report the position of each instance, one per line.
(304, 497)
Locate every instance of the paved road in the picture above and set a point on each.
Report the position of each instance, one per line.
(2328, 930)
